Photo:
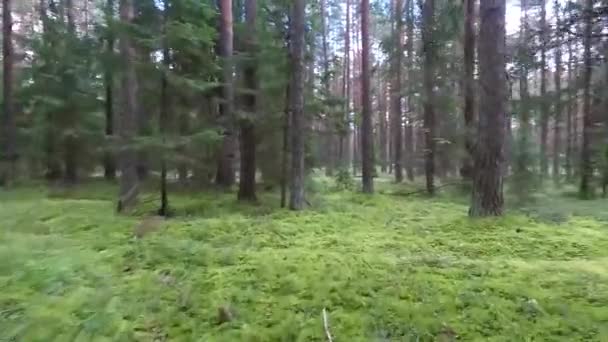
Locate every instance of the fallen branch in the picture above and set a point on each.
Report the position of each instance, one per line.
(326, 326)
(424, 190)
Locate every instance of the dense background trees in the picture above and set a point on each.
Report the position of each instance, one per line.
(204, 92)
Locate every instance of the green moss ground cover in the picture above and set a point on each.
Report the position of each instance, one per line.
(387, 268)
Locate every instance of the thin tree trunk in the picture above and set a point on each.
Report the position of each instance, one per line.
(8, 154)
(396, 110)
(286, 148)
(487, 198)
(129, 187)
(164, 113)
(557, 136)
(108, 161)
(345, 92)
(225, 171)
(69, 142)
(586, 190)
(409, 127)
(296, 199)
(544, 103)
(367, 140)
(429, 94)
(469, 88)
(248, 135)
(383, 141)
(570, 114)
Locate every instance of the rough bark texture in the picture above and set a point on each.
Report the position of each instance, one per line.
(557, 134)
(108, 160)
(469, 88)
(367, 140)
(296, 198)
(487, 197)
(586, 190)
(429, 94)
(225, 169)
(396, 110)
(248, 135)
(127, 123)
(409, 127)
(8, 153)
(544, 101)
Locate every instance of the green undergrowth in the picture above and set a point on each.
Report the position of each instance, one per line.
(386, 268)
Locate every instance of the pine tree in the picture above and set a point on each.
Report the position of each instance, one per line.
(8, 154)
(367, 148)
(428, 14)
(487, 199)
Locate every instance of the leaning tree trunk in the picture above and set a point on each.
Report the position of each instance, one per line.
(8, 154)
(429, 94)
(367, 142)
(469, 88)
(296, 198)
(225, 170)
(586, 191)
(248, 136)
(108, 160)
(127, 123)
(396, 110)
(487, 198)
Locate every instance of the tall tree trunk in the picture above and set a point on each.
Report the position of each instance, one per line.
(487, 198)
(8, 155)
(225, 171)
(367, 140)
(383, 141)
(429, 93)
(345, 127)
(164, 112)
(570, 113)
(557, 134)
(108, 161)
(409, 127)
(523, 160)
(586, 191)
(544, 103)
(127, 123)
(69, 142)
(396, 109)
(469, 88)
(286, 148)
(248, 135)
(330, 151)
(296, 198)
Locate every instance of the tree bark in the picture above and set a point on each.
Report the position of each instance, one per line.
(396, 108)
(469, 88)
(429, 94)
(248, 135)
(8, 151)
(164, 113)
(487, 198)
(296, 199)
(127, 123)
(225, 171)
(409, 127)
(570, 114)
(586, 191)
(345, 92)
(383, 134)
(367, 140)
(108, 161)
(544, 103)
(70, 142)
(557, 134)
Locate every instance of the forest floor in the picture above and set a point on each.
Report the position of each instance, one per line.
(385, 268)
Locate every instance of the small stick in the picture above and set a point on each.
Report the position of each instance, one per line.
(326, 326)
